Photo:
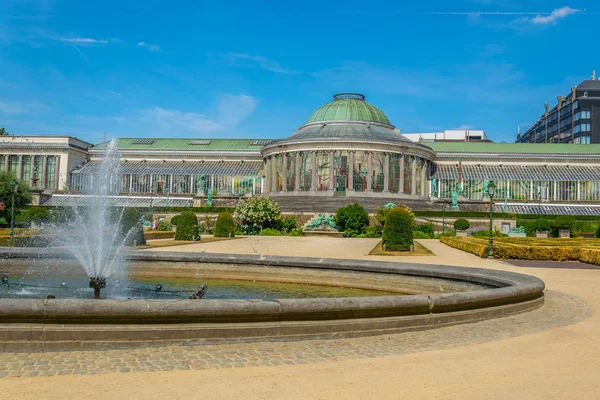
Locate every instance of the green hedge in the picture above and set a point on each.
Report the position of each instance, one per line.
(159, 234)
(132, 227)
(225, 226)
(269, 232)
(187, 227)
(398, 230)
(473, 214)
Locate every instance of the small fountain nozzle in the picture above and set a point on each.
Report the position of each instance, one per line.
(97, 283)
(158, 288)
(4, 279)
(200, 294)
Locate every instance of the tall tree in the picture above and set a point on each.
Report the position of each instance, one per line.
(22, 197)
(3, 132)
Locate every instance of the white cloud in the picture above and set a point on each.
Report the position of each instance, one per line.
(79, 40)
(175, 120)
(149, 47)
(247, 60)
(555, 15)
(10, 107)
(232, 109)
(463, 128)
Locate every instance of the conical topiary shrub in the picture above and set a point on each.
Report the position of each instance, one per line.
(187, 227)
(225, 226)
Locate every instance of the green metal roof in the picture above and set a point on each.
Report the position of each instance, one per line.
(184, 144)
(348, 107)
(522, 148)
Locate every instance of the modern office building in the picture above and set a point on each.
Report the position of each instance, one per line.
(347, 151)
(574, 119)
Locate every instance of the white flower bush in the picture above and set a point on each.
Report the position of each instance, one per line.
(256, 213)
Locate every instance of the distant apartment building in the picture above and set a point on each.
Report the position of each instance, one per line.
(452, 135)
(574, 119)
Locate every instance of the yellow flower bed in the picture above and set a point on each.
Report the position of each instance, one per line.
(584, 250)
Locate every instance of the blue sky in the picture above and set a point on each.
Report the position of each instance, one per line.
(259, 68)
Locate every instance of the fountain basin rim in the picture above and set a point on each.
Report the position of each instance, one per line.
(506, 288)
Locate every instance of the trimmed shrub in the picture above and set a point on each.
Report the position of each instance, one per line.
(398, 230)
(461, 224)
(427, 229)
(420, 235)
(289, 224)
(225, 226)
(486, 233)
(132, 227)
(187, 227)
(353, 219)
(598, 231)
(296, 232)
(479, 248)
(174, 220)
(269, 232)
(159, 235)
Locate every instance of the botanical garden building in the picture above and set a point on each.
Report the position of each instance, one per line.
(346, 151)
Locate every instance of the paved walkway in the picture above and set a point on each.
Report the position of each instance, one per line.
(551, 352)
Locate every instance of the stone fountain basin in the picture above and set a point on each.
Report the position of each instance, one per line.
(457, 295)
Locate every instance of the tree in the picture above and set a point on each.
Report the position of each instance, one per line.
(22, 197)
(3, 132)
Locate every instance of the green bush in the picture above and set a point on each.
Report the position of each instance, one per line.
(486, 233)
(461, 224)
(353, 219)
(289, 224)
(132, 227)
(373, 231)
(225, 226)
(187, 227)
(269, 232)
(421, 235)
(164, 226)
(174, 220)
(398, 230)
(562, 222)
(159, 235)
(296, 232)
(598, 231)
(427, 229)
(35, 214)
(448, 233)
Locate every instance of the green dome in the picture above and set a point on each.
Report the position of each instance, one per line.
(349, 107)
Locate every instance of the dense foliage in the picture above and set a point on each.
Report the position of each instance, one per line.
(352, 219)
(461, 224)
(174, 220)
(289, 224)
(421, 235)
(22, 196)
(187, 227)
(598, 231)
(485, 233)
(426, 229)
(132, 227)
(225, 226)
(269, 232)
(256, 213)
(296, 232)
(398, 229)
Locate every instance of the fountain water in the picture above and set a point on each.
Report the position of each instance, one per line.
(94, 235)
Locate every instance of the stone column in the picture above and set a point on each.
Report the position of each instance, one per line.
(313, 177)
(555, 193)
(6, 162)
(284, 173)
(350, 186)
(44, 170)
(274, 179)
(413, 183)
(386, 173)
(20, 167)
(578, 190)
(32, 171)
(531, 192)
(424, 179)
(401, 180)
(57, 173)
(297, 172)
(331, 175)
(369, 171)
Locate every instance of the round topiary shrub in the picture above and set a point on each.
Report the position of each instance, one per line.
(174, 220)
(398, 230)
(225, 226)
(187, 227)
(132, 227)
(461, 224)
(353, 219)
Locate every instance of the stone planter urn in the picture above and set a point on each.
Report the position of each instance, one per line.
(541, 234)
(462, 233)
(564, 233)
